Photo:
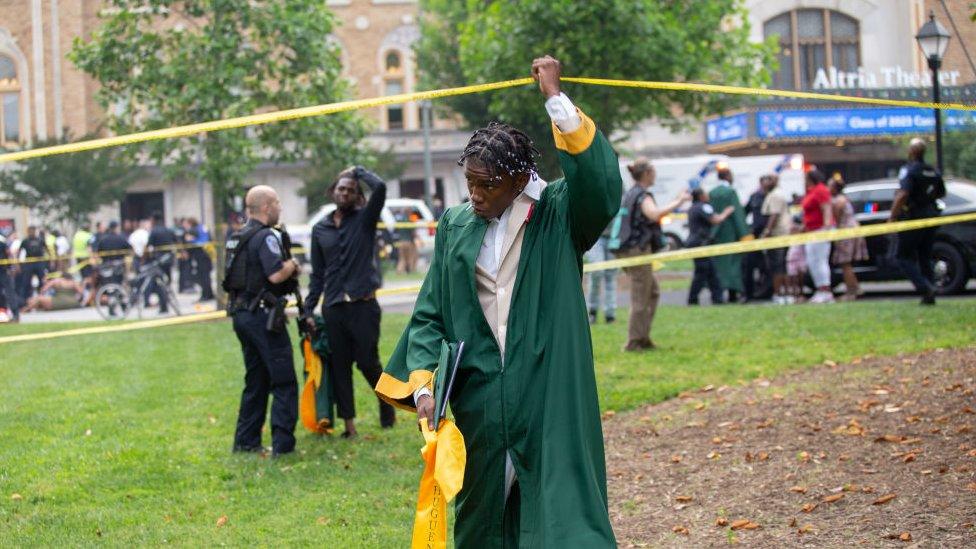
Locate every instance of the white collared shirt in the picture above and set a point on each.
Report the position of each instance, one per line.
(490, 256)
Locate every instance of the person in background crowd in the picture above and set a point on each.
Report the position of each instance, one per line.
(62, 251)
(159, 247)
(607, 278)
(138, 240)
(796, 267)
(343, 269)
(52, 253)
(111, 248)
(81, 244)
(846, 252)
(97, 235)
(733, 229)
(778, 223)
(183, 263)
(645, 237)
(196, 235)
(9, 299)
(407, 254)
(920, 188)
(128, 225)
(756, 281)
(35, 255)
(58, 294)
(818, 215)
(702, 221)
(437, 208)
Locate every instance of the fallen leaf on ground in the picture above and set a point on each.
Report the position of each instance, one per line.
(222, 521)
(713, 455)
(833, 498)
(675, 459)
(805, 529)
(890, 438)
(905, 536)
(884, 499)
(680, 530)
(799, 489)
(16, 497)
(909, 457)
(971, 486)
(683, 499)
(809, 507)
(323, 521)
(744, 524)
(721, 521)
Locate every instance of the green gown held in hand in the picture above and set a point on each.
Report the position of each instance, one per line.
(729, 266)
(540, 403)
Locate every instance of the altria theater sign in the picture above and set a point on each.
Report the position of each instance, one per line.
(885, 77)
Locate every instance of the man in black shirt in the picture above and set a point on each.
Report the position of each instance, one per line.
(112, 248)
(756, 261)
(921, 186)
(34, 251)
(344, 269)
(161, 248)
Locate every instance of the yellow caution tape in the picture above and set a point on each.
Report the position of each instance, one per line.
(739, 90)
(343, 106)
(650, 259)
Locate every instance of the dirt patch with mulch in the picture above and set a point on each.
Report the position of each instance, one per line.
(877, 452)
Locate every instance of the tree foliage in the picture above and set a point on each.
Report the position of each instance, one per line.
(163, 63)
(65, 189)
(959, 152)
(677, 40)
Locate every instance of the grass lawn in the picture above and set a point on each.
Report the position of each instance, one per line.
(124, 438)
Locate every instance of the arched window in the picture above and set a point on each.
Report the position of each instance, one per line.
(10, 98)
(393, 85)
(810, 40)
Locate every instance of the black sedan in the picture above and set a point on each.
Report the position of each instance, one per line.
(954, 253)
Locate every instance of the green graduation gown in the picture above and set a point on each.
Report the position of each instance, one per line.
(729, 266)
(540, 403)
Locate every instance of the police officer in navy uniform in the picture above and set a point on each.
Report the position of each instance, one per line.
(920, 188)
(260, 274)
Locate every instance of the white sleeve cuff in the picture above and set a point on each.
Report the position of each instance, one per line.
(421, 392)
(563, 113)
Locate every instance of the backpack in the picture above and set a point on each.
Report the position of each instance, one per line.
(627, 229)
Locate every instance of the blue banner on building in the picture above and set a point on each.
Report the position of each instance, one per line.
(727, 129)
(853, 122)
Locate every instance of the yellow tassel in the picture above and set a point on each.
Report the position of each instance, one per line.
(444, 458)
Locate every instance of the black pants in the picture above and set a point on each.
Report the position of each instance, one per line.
(915, 258)
(159, 289)
(27, 273)
(354, 335)
(705, 274)
(10, 300)
(269, 368)
(756, 287)
(204, 266)
(185, 267)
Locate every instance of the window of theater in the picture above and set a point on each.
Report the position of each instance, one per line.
(393, 84)
(813, 39)
(10, 99)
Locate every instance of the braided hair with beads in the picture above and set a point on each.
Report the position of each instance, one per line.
(502, 149)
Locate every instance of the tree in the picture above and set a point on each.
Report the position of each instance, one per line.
(68, 188)
(678, 40)
(163, 63)
(959, 152)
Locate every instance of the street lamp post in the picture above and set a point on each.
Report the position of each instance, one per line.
(932, 39)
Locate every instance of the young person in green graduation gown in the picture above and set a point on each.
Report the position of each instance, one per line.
(506, 280)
